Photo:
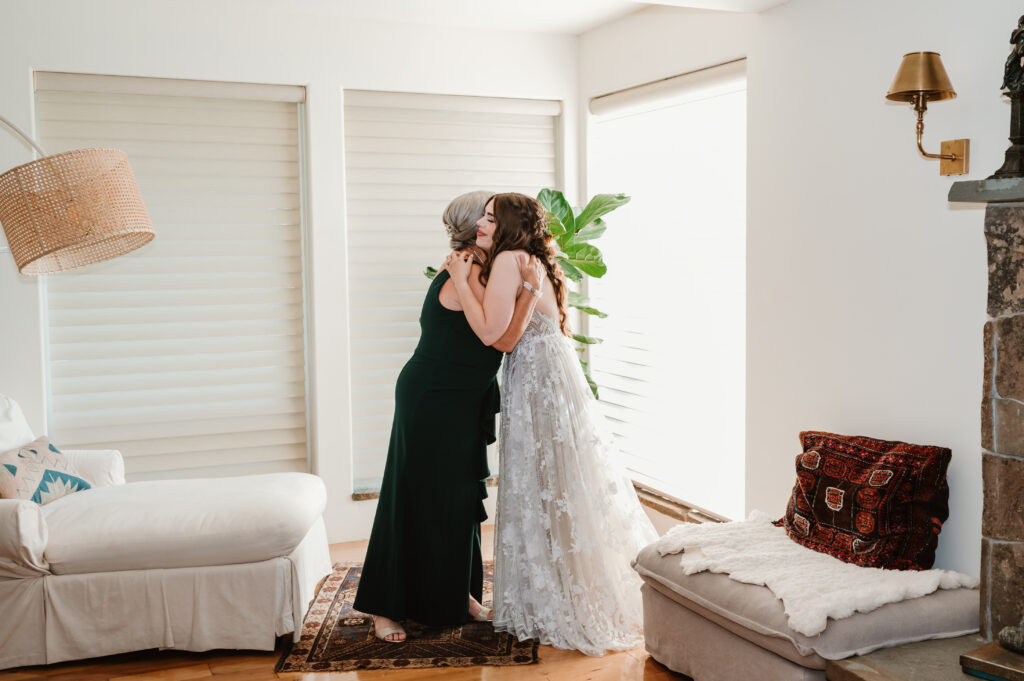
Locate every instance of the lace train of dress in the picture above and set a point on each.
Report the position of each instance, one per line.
(568, 521)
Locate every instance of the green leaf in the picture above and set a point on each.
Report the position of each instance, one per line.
(555, 225)
(576, 299)
(547, 198)
(586, 258)
(554, 202)
(430, 272)
(592, 231)
(590, 311)
(601, 204)
(582, 303)
(587, 340)
(569, 270)
(564, 240)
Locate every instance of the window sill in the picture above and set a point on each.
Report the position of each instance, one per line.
(663, 503)
(668, 505)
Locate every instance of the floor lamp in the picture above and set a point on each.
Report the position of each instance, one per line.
(72, 209)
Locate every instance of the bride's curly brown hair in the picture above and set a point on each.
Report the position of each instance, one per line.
(521, 226)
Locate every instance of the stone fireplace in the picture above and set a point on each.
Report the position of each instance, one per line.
(1002, 405)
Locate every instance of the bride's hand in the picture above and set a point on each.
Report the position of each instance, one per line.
(459, 263)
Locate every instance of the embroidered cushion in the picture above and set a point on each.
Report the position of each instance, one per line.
(38, 472)
(869, 502)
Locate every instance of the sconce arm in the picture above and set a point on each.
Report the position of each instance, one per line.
(920, 106)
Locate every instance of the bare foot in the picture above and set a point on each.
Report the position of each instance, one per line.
(380, 623)
(475, 609)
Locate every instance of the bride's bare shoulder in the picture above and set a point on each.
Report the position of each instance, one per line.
(517, 257)
(520, 257)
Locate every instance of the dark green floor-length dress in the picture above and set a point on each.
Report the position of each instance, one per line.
(423, 560)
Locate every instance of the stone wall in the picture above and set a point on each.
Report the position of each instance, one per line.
(1002, 422)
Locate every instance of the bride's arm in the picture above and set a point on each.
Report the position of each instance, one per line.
(525, 304)
(488, 319)
(521, 315)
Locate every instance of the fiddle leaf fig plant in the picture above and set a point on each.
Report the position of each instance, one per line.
(578, 257)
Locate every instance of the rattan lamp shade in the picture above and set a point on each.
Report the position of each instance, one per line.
(72, 209)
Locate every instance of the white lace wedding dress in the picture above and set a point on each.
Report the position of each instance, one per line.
(568, 521)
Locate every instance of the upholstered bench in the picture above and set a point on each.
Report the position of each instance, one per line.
(713, 628)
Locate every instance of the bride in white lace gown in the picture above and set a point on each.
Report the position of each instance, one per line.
(568, 521)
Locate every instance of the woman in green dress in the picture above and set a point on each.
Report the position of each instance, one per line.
(423, 561)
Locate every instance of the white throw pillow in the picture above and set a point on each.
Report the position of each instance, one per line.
(14, 430)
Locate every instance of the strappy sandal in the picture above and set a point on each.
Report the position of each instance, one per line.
(383, 632)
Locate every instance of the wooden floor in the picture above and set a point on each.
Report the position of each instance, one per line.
(169, 665)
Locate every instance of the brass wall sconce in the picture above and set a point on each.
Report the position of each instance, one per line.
(920, 79)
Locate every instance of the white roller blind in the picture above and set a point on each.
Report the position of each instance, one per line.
(406, 156)
(705, 83)
(671, 369)
(187, 355)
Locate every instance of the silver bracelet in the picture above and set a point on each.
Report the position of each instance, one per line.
(531, 289)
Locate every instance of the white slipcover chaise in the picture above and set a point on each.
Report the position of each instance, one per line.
(184, 564)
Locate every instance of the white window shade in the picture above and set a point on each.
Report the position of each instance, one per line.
(694, 86)
(187, 355)
(671, 368)
(406, 156)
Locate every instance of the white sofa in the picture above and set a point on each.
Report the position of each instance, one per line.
(184, 564)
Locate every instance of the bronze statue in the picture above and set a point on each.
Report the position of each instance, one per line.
(1013, 87)
(1013, 75)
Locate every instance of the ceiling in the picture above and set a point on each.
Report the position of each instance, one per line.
(547, 16)
(722, 5)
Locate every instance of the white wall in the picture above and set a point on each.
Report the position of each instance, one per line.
(278, 43)
(866, 289)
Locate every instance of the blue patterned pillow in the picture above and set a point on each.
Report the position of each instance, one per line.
(38, 472)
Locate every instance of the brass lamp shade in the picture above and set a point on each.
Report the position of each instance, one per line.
(921, 73)
(72, 209)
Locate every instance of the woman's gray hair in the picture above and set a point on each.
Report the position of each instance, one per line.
(461, 215)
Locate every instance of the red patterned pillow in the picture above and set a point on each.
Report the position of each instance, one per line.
(869, 502)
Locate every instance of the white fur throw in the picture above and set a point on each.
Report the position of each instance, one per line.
(812, 586)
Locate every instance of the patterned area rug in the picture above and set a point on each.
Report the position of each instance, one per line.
(336, 638)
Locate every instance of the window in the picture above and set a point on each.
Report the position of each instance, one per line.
(188, 355)
(406, 156)
(671, 370)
